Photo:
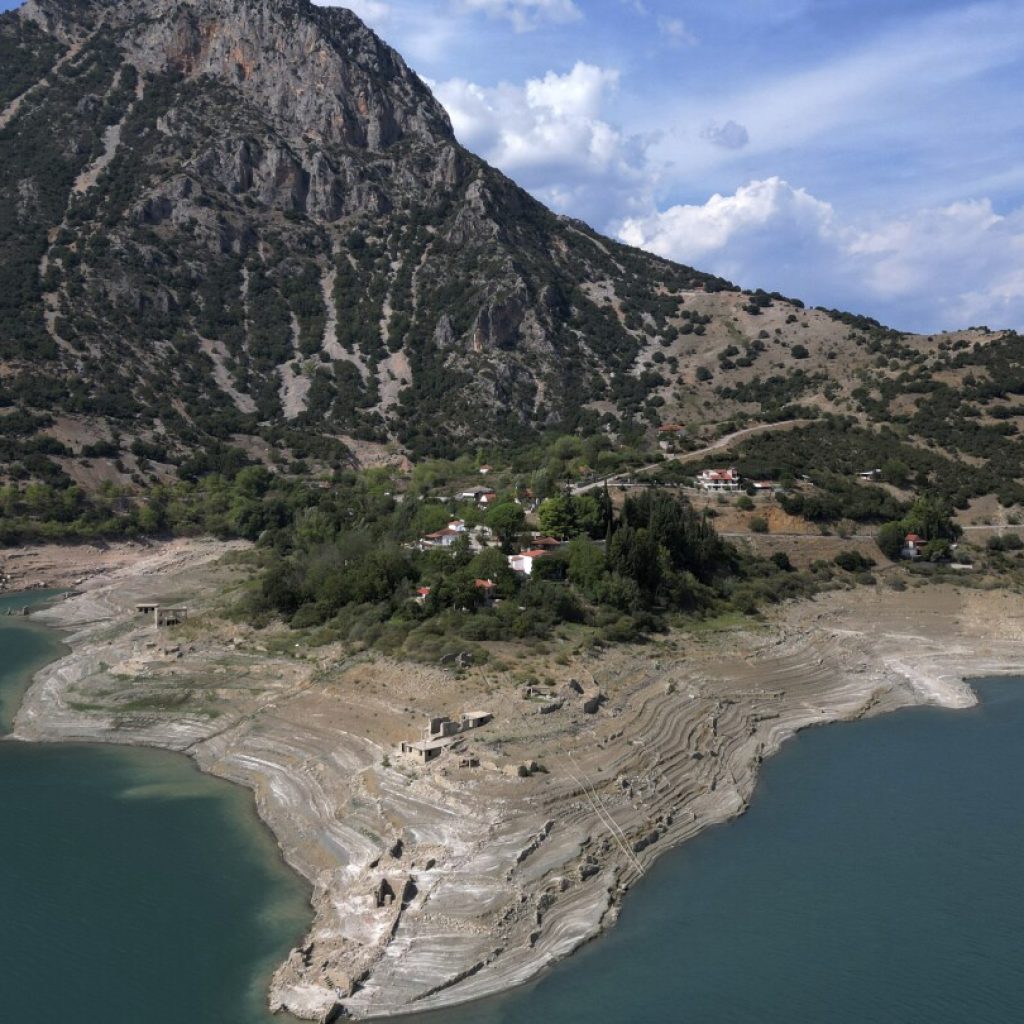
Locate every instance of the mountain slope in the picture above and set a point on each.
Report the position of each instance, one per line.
(228, 216)
(236, 226)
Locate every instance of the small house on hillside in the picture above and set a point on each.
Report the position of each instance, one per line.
(718, 480)
(524, 562)
(912, 545)
(483, 496)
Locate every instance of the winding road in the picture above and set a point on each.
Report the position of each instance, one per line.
(723, 442)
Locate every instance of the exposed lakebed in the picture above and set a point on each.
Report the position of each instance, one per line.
(133, 886)
(877, 877)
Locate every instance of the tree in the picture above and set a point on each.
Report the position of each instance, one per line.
(895, 472)
(929, 518)
(890, 540)
(555, 516)
(506, 520)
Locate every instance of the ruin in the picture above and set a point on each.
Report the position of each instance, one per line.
(162, 617)
(442, 732)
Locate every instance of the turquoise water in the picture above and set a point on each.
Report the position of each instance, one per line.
(877, 879)
(24, 647)
(132, 887)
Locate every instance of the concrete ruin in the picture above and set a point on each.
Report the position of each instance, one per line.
(442, 732)
(162, 617)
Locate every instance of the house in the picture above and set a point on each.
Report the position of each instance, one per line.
(443, 538)
(481, 495)
(764, 486)
(484, 470)
(870, 474)
(487, 590)
(422, 593)
(523, 562)
(719, 480)
(474, 719)
(912, 545)
(546, 543)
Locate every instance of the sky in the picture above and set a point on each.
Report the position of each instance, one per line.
(860, 154)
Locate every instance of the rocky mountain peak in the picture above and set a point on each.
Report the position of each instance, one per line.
(318, 70)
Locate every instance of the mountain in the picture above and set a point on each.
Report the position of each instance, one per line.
(246, 226)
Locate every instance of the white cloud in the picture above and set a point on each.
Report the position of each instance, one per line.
(552, 135)
(935, 268)
(525, 14)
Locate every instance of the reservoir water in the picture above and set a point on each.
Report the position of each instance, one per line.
(878, 878)
(132, 887)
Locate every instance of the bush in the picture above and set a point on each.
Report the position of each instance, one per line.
(853, 561)
(758, 525)
(744, 503)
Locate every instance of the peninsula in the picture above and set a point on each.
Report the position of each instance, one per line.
(443, 882)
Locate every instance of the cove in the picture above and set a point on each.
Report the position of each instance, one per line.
(878, 878)
(132, 886)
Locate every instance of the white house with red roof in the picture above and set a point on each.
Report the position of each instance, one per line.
(719, 480)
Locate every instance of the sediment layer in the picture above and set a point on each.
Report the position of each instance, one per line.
(435, 884)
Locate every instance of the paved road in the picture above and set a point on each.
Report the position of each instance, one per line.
(722, 442)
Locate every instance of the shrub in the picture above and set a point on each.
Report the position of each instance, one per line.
(758, 525)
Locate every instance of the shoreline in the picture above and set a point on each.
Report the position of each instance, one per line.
(500, 876)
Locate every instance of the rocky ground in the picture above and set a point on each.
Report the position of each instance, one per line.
(442, 883)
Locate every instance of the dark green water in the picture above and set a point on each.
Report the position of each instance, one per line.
(132, 887)
(877, 879)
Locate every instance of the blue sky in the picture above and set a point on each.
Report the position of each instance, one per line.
(855, 153)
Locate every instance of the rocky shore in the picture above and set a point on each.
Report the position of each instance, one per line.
(443, 882)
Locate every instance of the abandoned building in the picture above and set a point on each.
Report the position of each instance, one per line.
(170, 616)
(441, 732)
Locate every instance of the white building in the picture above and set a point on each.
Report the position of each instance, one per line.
(719, 480)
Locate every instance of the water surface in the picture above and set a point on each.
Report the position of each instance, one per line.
(132, 887)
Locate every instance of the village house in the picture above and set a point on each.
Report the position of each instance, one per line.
(484, 470)
(718, 480)
(487, 590)
(483, 496)
(422, 593)
(765, 486)
(546, 543)
(443, 538)
(870, 474)
(912, 545)
(523, 563)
